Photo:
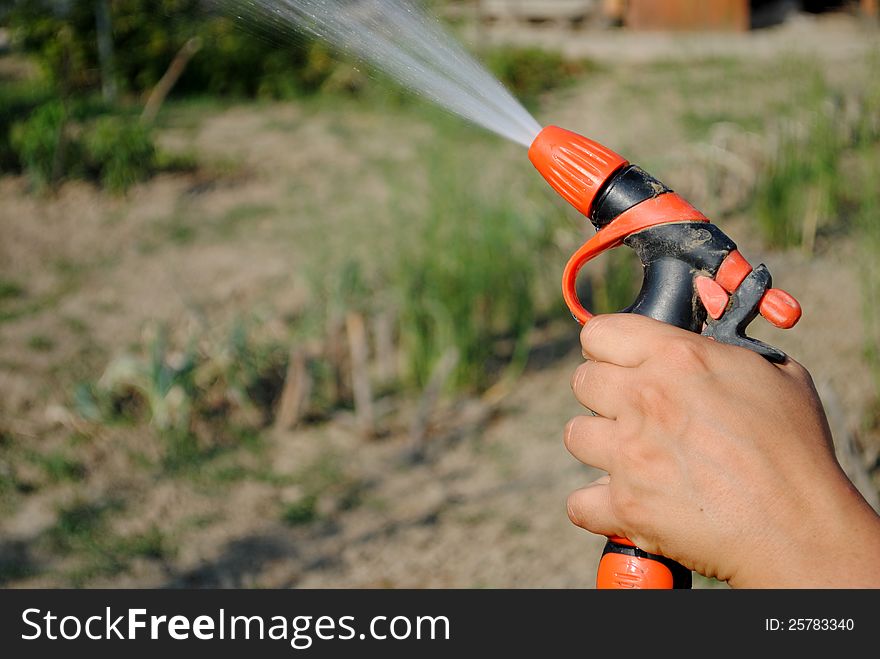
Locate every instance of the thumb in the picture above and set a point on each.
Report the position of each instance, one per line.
(590, 508)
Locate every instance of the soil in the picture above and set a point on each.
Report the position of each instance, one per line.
(486, 507)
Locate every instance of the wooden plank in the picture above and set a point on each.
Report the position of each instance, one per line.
(443, 370)
(294, 400)
(545, 10)
(727, 15)
(360, 374)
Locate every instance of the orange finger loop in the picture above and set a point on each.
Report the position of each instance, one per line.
(665, 209)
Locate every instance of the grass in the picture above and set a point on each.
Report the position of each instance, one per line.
(301, 512)
(16, 567)
(18, 304)
(176, 229)
(37, 304)
(18, 98)
(41, 343)
(77, 326)
(201, 400)
(10, 290)
(468, 274)
(239, 218)
(58, 466)
(181, 229)
(77, 524)
(531, 72)
(474, 265)
(824, 179)
(868, 222)
(328, 479)
(82, 529)
(698, 122)
(182, 456)
(802, 186)
(616, 286)
(187, 114)
(809, 186)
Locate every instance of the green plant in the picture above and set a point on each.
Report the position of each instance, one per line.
(116, 150)
(802, 185)
(529, 72)
(41, 343)
(121, 150)
(17, 99)
(60, 467)
(868, 222)
(617, 285)
(698, 121)
(82, 530)
(466, 279)
(244, 372)
(201, 400)
(162, 382)
(867, 140)
(10, 289)
(38, 143)
(300, 512)
(240, 216)
(77, 525)
(147, 34)
(152, 543)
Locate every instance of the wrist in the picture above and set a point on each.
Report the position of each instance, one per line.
(833, 543)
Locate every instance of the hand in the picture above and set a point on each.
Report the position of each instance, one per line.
(717, 459)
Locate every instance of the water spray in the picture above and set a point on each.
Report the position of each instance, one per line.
(399, 38)
(694, 275)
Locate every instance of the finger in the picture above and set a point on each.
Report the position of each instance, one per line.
(796, 370)
(601, 387)
(590, 508)
(591, 440)
(626, 339)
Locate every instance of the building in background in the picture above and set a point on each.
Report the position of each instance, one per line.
(732, 15)
(726, 15)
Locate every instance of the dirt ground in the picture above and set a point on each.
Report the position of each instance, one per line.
(284, 184)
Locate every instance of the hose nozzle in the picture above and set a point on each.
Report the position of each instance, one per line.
(576, 167)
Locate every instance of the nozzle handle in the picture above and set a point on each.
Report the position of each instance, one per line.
(624, 566)
(665, 209)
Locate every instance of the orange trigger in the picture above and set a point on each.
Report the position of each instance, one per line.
(713, 296)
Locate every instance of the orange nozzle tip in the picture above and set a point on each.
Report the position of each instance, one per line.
(575, 166)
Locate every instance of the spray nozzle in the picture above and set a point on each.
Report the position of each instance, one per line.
(685, 257)
(575, 166)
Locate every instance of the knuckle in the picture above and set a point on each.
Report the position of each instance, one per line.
(593, 329)
(627, 431)
(576, 378)
(652, 396)
(631, 457)
(626, 508)
(687, 352)
(749, 358)
(800, 373)
(581, 376)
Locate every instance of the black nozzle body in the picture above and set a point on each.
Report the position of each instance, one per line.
(627, 188)
(672, 254)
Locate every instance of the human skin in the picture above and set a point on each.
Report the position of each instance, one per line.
(717, 459)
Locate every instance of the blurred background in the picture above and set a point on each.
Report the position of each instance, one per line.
(268, 321)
